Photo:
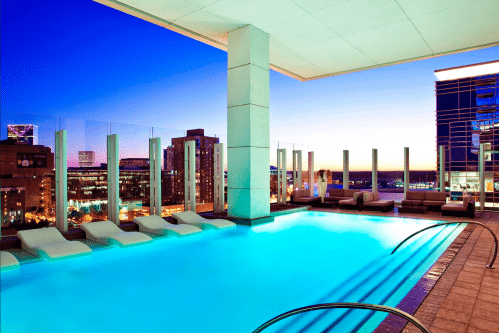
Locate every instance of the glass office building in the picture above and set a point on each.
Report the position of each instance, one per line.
(467, 115)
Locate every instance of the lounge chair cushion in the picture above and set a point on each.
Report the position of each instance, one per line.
(300, 193)
(349, 193)
(106, 232)
(156, 225)
(433, 203)
(51, 242)
(379, 203)
(336, 192)
(416, 195)
(189, 217)
(435, 196)
(306, 199)
(348, 202)
(412, 202)
(8, 261)
(370, 196)
(454, 207)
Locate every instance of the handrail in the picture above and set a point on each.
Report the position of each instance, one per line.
(445, 223)
(364, 306)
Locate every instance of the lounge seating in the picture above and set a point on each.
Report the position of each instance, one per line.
(336, 195)
(109, 233)
(371, 201)
(50, 243)
(8, 262)
(466, 209)
(156, 225)
(431, 199)
(301, 196)
(352, 203)
(200, 222)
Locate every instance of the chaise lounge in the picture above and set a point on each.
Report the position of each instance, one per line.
(194, 219)
(8, 262)
(50, 243)
(157, 225)
(466, 209)
(107, 232)
(372, 202)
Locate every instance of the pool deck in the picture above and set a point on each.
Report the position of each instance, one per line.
(459, 293)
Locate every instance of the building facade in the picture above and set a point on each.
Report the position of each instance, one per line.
(86, 159)
(204, 165)
(23, 133)
(168, 157)
(467, 115)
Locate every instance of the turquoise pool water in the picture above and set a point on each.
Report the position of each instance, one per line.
(228, 281)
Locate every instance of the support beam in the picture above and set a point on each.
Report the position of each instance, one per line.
(218, 178)
(155, 176)
(406, 171)
(61, 180)
(248, 126)
(375, 171)
(346, 166)
(190, 176)
(311, 173)
(281, 176)
(481, 166)
(113, 177)
(297, 170)
(441, 153)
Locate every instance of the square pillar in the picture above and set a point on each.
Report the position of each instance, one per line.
(346, 179)
(113, 177)
(190, 176)
(218, 178)
(311, 173)
(155, 176)
(297, 170)
(248, 125)
(406, 171)
(481, 166)
(441, 150)
(61, 180)
(375, 171)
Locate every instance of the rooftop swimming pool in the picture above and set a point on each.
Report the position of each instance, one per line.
(229, 281)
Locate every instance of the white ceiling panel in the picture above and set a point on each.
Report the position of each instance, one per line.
(314, 5)
(414, 8)
(334, 55)
(300, 31)
(170, 11)
(359, 15)
(310, 39)
(260, 13)
(208, 24)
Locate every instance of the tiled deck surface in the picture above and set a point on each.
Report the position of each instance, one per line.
(466, 296)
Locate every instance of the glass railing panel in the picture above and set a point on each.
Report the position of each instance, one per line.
(27, 171)
(87, 170)
(134, 169)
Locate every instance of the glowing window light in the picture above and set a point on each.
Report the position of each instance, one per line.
(468, 71)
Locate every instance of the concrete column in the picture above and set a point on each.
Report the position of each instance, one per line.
(346, 166)
(218, 178)
(406, 171)
(281, 177)
(248, 125)
(481, 167)
(190, 176)
(297, 170)
(375, 171)
(442, 168)
(113, 176)
(61, 180)
(155, 176)
(311, 173)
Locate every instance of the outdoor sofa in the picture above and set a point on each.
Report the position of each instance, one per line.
(336, 195)
(466, 209)
(50, 243)
(107, 232)
(431, 199)
(371, 201)
(302, 196)
(352, 203)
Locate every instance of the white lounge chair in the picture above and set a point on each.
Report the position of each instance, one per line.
(107, 232)
(8, 261)
(156, 225)
(199, 221)
(49, 242)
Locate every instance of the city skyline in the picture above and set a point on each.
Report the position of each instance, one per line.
(67, 60)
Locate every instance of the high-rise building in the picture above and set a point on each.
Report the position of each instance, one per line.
(467, 112)
(86, 159)
(168, 158)
(23, 133)
(137, 163)
(204, 165)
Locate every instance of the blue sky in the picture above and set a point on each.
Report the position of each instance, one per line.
(80, 59)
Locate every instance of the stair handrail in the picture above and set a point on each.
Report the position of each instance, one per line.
(352, 305)
(446, 223)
